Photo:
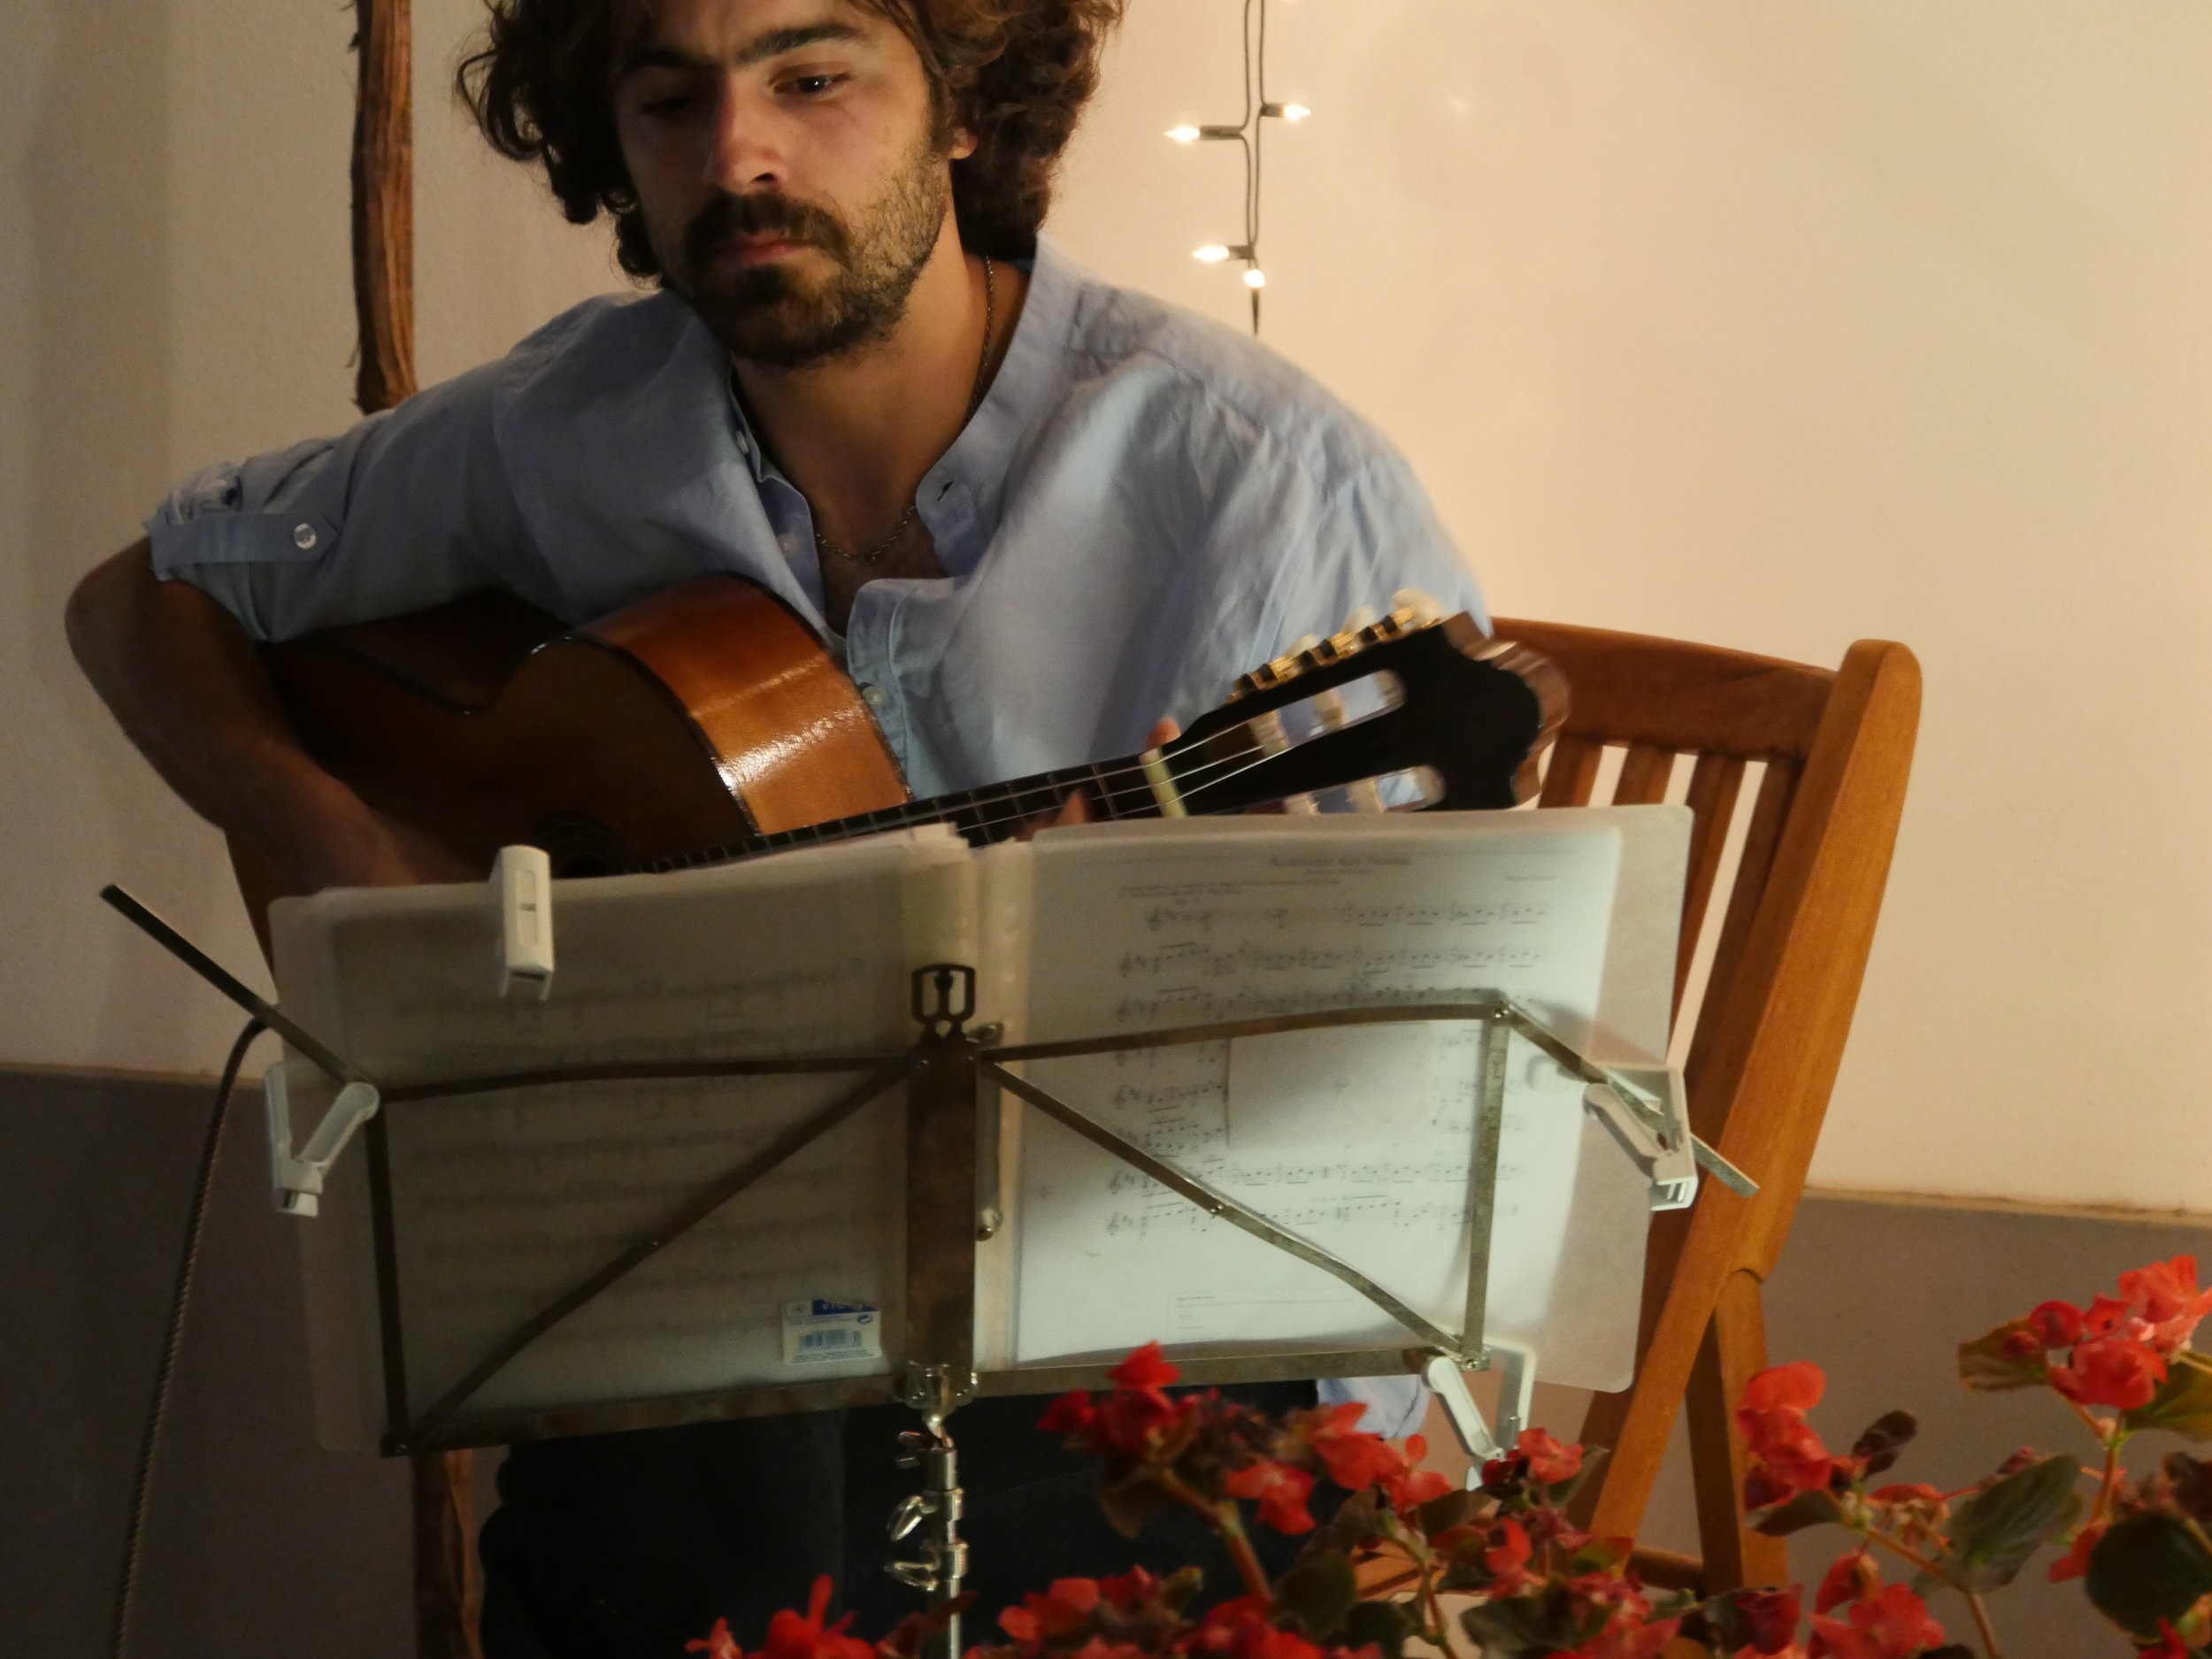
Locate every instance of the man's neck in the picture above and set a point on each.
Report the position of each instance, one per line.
(858, 434)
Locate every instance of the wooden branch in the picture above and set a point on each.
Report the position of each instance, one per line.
(384, 206)
(447, 1590)
(448, 1595)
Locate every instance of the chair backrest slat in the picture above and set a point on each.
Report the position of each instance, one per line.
(1715, 783)
(1645, 770)
(1762, 836)
(1571, 773)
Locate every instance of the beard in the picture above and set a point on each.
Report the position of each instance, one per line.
(784, 317)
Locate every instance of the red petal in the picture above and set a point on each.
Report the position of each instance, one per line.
(1145, 1367)
(1793, 1387)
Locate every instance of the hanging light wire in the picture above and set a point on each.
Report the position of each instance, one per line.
(1248, 134)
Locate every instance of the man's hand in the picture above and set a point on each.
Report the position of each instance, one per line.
(188, 688)
(1077, 808)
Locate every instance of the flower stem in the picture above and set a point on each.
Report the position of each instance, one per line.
(1226, 1520)
(1981, 1623)
(1973, 1601)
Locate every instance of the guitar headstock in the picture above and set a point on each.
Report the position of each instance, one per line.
(1421, 707)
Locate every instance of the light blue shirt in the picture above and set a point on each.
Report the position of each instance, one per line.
(1144, 507)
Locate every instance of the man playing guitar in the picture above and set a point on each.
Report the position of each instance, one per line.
(1028, 509)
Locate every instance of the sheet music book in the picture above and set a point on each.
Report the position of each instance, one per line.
(1358, 1140)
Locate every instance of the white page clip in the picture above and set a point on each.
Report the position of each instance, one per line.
(522, 885)
(297, 1176)
(1642, 1106)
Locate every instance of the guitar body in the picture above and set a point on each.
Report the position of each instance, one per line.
(703, 715)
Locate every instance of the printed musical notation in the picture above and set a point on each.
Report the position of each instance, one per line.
(1359, 1140)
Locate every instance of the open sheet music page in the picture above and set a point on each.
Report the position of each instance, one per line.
(1358, 1140)
(501, 1201)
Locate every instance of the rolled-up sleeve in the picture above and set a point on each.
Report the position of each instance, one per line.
(410, 509)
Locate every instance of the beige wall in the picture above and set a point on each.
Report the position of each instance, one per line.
(1775, 326)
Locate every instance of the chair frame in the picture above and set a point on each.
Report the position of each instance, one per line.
(1792, 951)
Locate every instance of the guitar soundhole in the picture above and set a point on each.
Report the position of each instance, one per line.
(578, 848)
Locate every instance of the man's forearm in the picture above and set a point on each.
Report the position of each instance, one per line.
(188, 686)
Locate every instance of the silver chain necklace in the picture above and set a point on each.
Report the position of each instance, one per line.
(869, 556)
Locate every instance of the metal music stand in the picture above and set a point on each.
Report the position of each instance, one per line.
(954, 1077)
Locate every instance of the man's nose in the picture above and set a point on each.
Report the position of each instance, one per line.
(746, 152)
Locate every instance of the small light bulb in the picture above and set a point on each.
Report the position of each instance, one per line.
(1256, 279)
(1183, 135)
(1295, 111)
(1213, 254)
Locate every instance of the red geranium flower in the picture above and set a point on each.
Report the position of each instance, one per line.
(1795, 1388)
(1059, 1613)
(1242, 1630)
(1409, 1491)
(719, 1644)
(1788, 1455)
(1549, 1463)
(1071, 1413)
(1281, 1490)
(1891, 1623)
(1354, 1457)
(2169, 1645)
(2165, 1297)
(1852, 1577)
(2111, 1371)
(2105, 1316)
(1770, 1618)
(791, 1636)
(2056, 1323)
(2075, 1562)
(1145, 1367)
(1130, 1590)
(1507, 1558)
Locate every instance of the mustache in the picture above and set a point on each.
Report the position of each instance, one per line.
(726, 218)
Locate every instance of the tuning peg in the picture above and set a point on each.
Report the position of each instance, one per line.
(1419, 610)
(1390, 628)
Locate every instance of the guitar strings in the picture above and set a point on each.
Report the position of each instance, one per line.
(918, 813)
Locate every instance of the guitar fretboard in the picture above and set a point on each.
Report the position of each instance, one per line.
(1115, 789)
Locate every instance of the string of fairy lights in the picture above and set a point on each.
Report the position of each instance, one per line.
(1259, 109)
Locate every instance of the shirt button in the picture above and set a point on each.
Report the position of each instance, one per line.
(303, 536)
(875, 696)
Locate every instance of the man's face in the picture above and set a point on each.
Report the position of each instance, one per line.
(790, 168)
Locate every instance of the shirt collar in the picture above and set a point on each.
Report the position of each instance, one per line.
(1027, 385)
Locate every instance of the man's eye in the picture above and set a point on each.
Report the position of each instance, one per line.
(813, 86)
(668, 106)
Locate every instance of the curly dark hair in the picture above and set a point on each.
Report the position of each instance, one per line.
(1015, 73)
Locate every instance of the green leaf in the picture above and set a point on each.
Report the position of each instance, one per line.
(1181, 1585)
(1994, 1531)
(1441, 1515)
(2191, 1481)
(1318, 1592)
(2146, 1568)
(1381, 1625)
(1985, 1366)
(1512, 1628)
(2183, 1403)
(1886, 1436)
(1817, 1507)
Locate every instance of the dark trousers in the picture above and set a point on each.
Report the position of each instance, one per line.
(627, 1546)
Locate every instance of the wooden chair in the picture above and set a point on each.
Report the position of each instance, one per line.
(1794, 935)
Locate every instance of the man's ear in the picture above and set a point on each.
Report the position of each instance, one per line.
(964, 144)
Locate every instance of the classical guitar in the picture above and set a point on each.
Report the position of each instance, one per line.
(707, 723)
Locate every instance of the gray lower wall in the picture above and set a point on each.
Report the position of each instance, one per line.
(262, 1547)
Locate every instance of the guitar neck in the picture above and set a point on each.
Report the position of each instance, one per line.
(1114, 788)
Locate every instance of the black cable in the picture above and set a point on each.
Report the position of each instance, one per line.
(141, 1483)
